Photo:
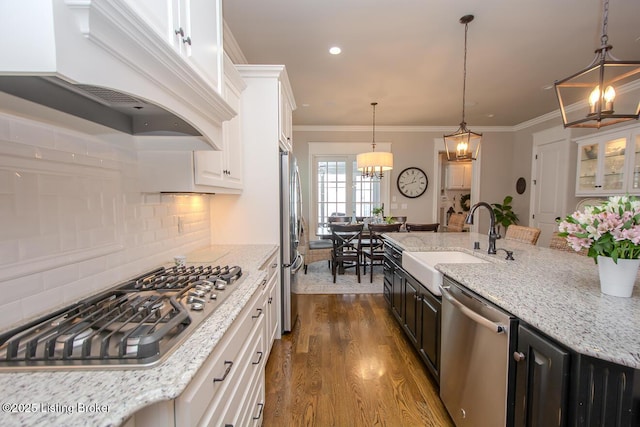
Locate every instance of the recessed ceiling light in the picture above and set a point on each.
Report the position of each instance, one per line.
(335, 50)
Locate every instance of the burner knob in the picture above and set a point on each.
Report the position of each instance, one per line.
(214, 296)
(221, 284)
(195, 300)
(197, 306)
(197, 293)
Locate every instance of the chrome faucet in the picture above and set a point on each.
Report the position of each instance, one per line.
(493, 235)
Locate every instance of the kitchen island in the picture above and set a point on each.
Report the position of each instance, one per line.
(557, 292)
(108, 397)
(571, 356)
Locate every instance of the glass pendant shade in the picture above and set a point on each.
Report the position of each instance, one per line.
(605, 93)
(463, 144)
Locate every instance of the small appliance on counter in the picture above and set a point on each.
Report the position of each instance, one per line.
(135, 324)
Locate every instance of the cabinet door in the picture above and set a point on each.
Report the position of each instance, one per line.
(542, 371)
(430, 331)
(286, 119)
(202, 42)
(459, 176)
(397, 295)
(603, 165)
(158, 14)
(411, 307)
(633, 181)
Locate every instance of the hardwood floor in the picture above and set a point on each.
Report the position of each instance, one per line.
(347, 363)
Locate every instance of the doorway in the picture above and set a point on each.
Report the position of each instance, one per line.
(457, 184)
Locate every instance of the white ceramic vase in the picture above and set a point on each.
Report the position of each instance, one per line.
(617, 279)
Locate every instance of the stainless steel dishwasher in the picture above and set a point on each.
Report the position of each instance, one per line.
(476, 344)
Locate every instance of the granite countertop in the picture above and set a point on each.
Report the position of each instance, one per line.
(557, 292)
(108, 397)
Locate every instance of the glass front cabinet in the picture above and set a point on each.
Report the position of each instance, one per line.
(609, 163)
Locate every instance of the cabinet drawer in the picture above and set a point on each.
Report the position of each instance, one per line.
(236, 403)
(271, 266)
(214, 377)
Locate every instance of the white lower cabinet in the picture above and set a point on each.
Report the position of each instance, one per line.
(223, 392)
(271, 292)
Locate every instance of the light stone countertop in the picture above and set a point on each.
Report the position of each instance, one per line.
(108, 397)
(555, 291)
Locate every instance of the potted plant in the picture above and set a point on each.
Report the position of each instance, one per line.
(377, 214)
(505, 216)
(611, 232)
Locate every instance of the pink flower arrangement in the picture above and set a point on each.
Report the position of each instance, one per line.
(611, 229)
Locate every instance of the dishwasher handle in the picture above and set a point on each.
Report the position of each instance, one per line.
(483, 321)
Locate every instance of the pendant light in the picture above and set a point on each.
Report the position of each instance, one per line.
(604, 93)
(463, 144)
(373, 164)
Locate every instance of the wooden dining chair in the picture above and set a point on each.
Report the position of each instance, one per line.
(421, 227)
(339, 219)
(373, 250)
(522, 234)
(456, 222)
(346, 250)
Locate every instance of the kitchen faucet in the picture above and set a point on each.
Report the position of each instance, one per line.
(493, 235)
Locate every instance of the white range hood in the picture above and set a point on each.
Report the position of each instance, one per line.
(99, 60)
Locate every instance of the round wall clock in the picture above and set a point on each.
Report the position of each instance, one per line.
(412, 182)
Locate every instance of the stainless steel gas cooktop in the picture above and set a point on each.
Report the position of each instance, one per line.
(135, 324)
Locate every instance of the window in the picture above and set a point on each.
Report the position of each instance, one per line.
(336, 186)
(341, 190)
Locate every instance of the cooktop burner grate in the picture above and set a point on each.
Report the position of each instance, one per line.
(136, 323)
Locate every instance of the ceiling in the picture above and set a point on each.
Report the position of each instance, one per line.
(407, 55)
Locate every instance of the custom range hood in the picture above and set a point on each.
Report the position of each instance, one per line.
(98, 60)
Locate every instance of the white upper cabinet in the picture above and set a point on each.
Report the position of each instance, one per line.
(286, 116)
(193, 28)
(609, 163)
(459, 176)
(225, 168)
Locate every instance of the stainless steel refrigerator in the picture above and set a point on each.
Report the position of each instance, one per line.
(290, 222)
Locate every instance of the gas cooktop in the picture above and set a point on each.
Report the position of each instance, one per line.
(135, 324)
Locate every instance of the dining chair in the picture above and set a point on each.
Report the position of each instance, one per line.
(346, 250)
(339, 218)
(313, 250)
(560, 243)
(373, 251)
(421, 227)
(456, 222)
(520, 233)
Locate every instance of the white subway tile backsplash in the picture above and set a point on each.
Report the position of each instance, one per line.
(64, 196)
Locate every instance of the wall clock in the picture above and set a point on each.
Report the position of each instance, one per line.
(412, 182)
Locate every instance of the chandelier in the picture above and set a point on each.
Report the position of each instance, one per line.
(604, 93)
(373, 164)
(463, 144)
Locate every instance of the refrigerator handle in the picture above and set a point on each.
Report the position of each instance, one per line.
(297, 263)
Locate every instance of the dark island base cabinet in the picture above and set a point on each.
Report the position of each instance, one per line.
(542, 374)
(558, 387)
(416, 309)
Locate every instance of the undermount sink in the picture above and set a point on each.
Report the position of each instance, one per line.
(421, 265)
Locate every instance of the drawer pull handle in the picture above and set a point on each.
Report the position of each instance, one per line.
(274, 265)
(261, 405)
(260, 354)
(257, 315)
(518, 356)
(264, 282)
(226, 372)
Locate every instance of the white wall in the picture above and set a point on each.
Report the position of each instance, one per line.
(72, 219)
(414, 148)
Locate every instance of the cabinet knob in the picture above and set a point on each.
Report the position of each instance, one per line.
(179, 32)
(187, 40)
(518, 356)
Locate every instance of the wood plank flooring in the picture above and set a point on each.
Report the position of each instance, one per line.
(347, 363)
